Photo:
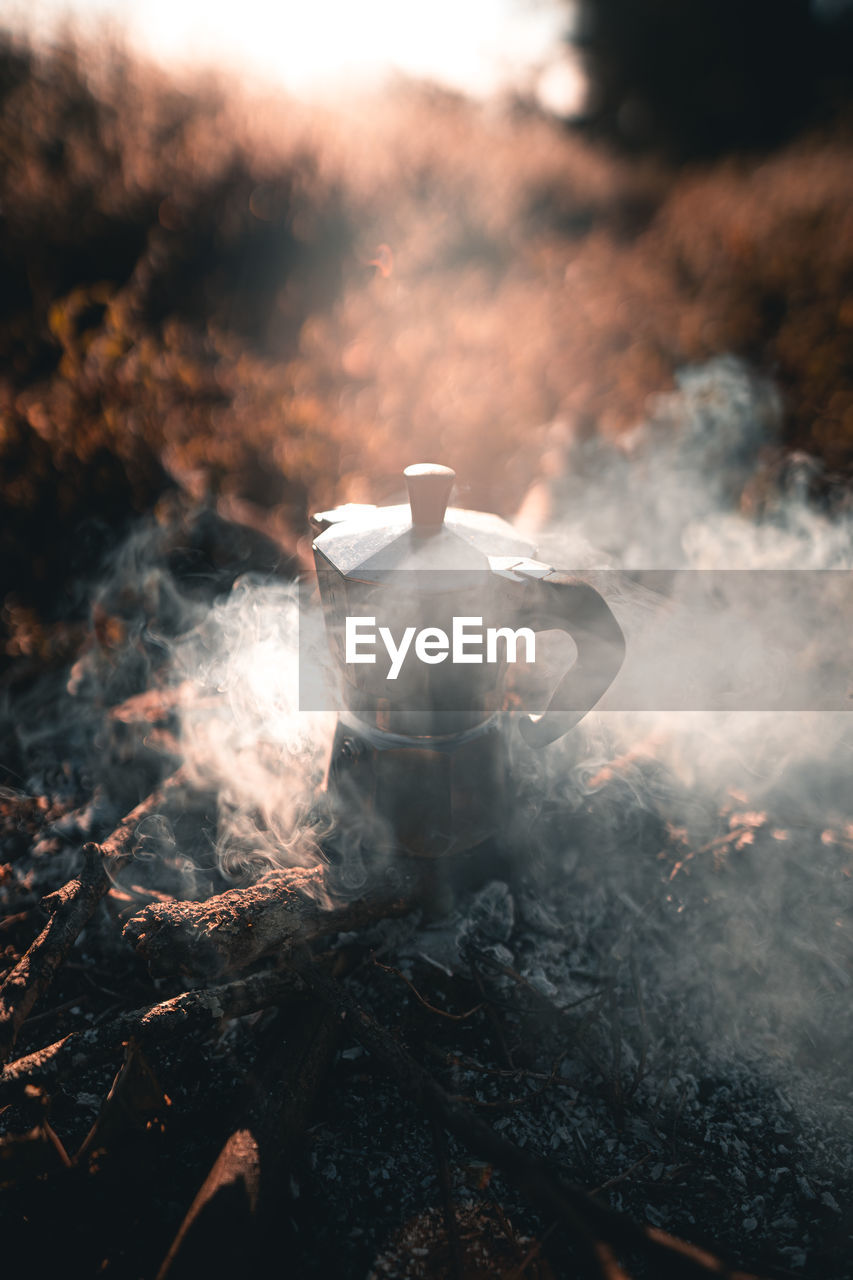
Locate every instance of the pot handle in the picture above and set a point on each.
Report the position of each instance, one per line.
(564, 602)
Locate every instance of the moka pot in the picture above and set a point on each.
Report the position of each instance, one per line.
(420, 761)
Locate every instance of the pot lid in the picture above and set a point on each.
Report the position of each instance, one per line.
(368, 542)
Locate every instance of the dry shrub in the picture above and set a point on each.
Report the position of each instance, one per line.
(282, 306)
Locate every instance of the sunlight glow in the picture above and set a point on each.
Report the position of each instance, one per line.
(477, 46)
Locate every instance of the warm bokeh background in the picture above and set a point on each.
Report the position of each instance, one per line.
(274, 306)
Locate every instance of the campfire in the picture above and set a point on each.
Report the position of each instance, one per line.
(275, 942)
(473, 986)
(220, 1039)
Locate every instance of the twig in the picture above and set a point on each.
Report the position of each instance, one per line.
(640, 1069)
(193, 1011)
(505, 1073)
(620, 1177)
(238, 1209)
(554, 1012)
(60, 1008)
(451, 1226)
(117, 847)
(490, 1012)
(71, 908)
(9, 922)
(615, 1075)
(500, 1104)
(441, 1013)
(218, 1219)
(513, 1104)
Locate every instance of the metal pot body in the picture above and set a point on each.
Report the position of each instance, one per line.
(424, 798)
(419, 761)
(421, 698)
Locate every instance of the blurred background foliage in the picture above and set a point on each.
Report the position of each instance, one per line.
(272, 307)
(708, 76)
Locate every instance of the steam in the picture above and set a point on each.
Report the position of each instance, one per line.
(707, 856)
(716, 847)
(184, 669)
(702, 483)
(242, 732)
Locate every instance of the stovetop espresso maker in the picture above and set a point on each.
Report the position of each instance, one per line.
(432, 614)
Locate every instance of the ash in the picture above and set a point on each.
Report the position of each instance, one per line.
(666, 1014)
(647, 981)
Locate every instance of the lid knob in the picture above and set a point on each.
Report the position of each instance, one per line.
(429, 487)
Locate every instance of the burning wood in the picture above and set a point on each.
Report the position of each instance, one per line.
(593, 1236)
(280, 914)
(193, 1012)
(283, 910)
(236, 1215)
(490, 1061)
(71, 908)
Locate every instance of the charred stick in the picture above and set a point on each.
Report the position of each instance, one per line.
(445, 1182)
(134, 1101)
(279, 912)
(71, 908)
(191, 1012)
(117, 847)
(236, 1217)
(596, 1230)
(213, 1237)
(9, 922)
